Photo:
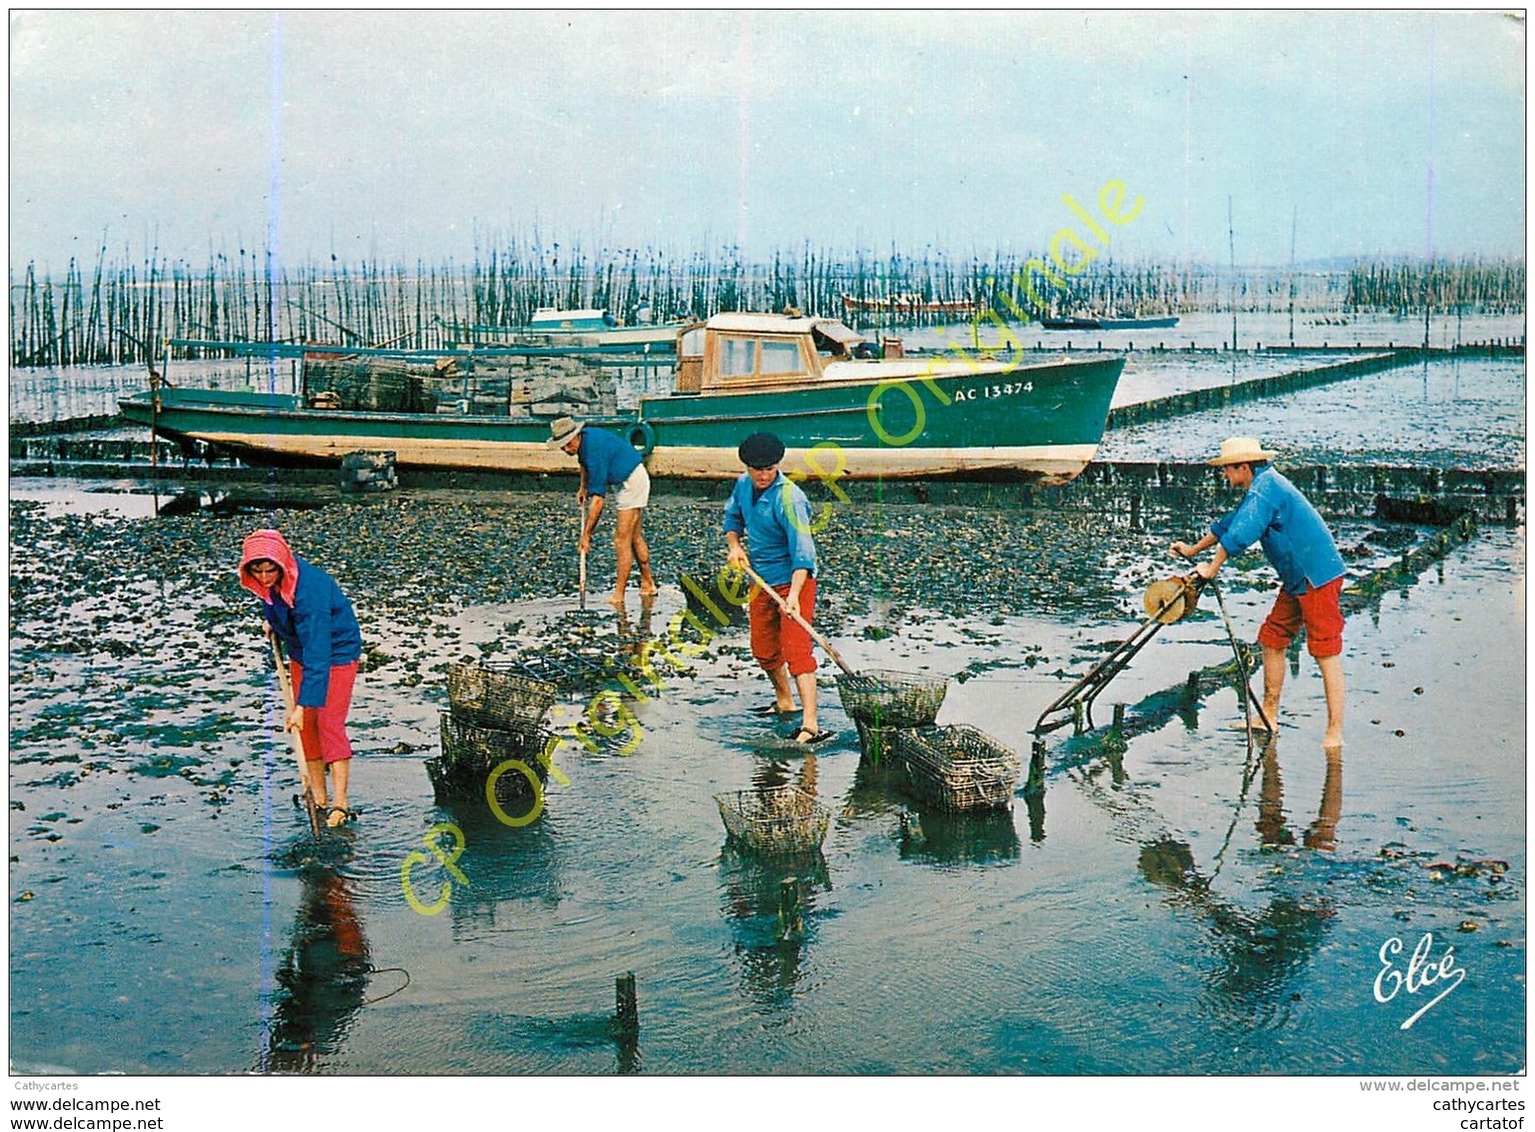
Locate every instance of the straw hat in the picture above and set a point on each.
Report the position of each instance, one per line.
(1242, 450)
(1171, 599)
(563, 429)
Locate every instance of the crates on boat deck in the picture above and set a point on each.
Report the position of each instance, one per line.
(957, 768)
(491, 695)
(774, 820)
(884, 698)
(471, 754)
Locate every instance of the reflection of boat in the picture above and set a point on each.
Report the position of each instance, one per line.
(1120, 322)
(590, 327)
(907, 302)
(806, 379)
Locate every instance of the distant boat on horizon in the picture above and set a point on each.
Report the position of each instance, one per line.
(907, 302)
(1121, 322)
(587, 327)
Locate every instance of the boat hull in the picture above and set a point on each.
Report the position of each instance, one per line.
(1166, 323)
(996, 421)
(657, 338)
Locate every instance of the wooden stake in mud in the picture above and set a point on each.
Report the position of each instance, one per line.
(298, 742)
(628, 1012)
(791, 925)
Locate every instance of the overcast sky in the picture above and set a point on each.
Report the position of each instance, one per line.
(407, 136)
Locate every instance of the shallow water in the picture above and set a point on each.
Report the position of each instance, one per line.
(1450, 413)
(1147, 915)
(1182, 907)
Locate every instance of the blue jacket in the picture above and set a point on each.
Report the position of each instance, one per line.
(608, 460)
(777, 528)
(1295, 539)
(307, 611)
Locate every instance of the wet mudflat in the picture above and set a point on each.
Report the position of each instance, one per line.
(1177, 907)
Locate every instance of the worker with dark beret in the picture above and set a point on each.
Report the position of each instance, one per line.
(769, 517)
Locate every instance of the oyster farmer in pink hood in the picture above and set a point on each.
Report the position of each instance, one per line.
(307, 611)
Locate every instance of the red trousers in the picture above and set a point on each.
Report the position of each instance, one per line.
(778, 639)
(1317, 609)
(324, 730)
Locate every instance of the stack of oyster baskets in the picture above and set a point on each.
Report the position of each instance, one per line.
(496, 714)
(954, 768)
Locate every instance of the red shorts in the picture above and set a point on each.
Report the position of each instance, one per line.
(324, 730)
(778, 639)
(1317, 609)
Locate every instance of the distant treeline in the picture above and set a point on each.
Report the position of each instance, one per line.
(122, 313)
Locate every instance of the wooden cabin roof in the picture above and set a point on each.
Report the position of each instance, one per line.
(748, 323)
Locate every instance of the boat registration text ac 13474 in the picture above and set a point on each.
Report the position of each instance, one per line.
(1006, 389)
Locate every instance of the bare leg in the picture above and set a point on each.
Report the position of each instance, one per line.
(317, 782)
(781, 687)
(1273, 683)
(641, 548)
(805, 682)
(1332, 685)
(623, 554)
(340, 773)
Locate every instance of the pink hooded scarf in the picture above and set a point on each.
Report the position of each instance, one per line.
(271, 545)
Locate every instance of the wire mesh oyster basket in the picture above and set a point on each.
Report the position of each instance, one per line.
(885, 698)
(876, 743)
(776, 820)
(958, 768)
(471, 753)
(498, 695)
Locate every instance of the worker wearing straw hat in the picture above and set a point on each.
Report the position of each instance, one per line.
(773, 515)
(608, 464)
(1301, 549)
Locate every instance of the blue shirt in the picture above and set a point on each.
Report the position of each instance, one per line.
(320, 630)
(1295, 539)
(777, 528)
(608, 460)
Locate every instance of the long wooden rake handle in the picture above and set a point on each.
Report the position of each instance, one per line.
(580, 534)
(297, 739)
(803, 624)
(1250, 702)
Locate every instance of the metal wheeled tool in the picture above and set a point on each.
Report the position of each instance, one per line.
(1167, 602)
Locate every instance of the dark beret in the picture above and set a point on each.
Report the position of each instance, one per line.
(761, 450)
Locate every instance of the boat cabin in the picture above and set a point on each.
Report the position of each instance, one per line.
(751, 352)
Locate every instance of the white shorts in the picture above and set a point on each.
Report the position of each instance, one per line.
(635, 491)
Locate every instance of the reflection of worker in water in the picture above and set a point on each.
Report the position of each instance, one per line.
(1258, 951)
(1322, 833)
(323, 977)
(1301, 549)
